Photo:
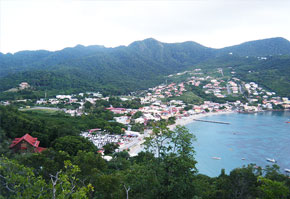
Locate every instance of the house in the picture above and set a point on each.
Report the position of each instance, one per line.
(23, 85)
(123, 119)
(117, 110)
(95, 130)
(140, 120)
(63, 97)
(25, 144)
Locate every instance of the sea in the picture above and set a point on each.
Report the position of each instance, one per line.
(249, 138)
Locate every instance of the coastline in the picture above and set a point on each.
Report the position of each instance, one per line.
(137, 147)
(187, 120)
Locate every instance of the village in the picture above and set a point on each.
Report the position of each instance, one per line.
(164, 102)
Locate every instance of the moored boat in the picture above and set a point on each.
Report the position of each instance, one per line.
(287, 170)
(271, 160)
(216, 158)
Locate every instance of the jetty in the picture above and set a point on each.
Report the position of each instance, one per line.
(210, 121)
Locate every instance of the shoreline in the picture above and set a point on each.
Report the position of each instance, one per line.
(187, 120)
(137, 147)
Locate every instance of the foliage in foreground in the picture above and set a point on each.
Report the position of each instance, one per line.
(166, 169)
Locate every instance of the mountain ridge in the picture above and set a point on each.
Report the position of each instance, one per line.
(279, 45)
(146, 40)
(140, 65)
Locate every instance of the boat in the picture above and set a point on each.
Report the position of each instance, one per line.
(271, 160)
(287, 170)
(287, 122)
(243, 158)
(216, 158)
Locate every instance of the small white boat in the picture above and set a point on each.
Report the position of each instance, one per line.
(287, 170)
(243, 158)
(216, 158)
(271, 160)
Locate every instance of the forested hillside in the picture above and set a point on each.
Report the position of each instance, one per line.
(72, 168)
(272, 72)
(265, 47)
(140, 65)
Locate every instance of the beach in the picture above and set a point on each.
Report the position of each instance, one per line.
(186, 120)
(137, 147)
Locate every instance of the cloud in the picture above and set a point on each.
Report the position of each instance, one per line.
(31, 24)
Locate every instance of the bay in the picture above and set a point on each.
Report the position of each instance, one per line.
(249, 138)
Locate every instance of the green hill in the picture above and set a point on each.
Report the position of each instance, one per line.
(120, 70)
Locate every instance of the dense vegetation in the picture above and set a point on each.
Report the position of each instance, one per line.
(271, 73)
(71, 168)
(141, 65)
(50, 127)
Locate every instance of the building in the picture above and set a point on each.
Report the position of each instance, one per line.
(117, 110)
(23, 85)
(26, 144)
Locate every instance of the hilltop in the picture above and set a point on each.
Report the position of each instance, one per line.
(138, 66)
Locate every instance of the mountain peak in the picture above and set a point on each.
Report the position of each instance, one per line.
(262, 47)
(151, 40)
(146, 43)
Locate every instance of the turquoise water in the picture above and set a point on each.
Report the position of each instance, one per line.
(254, 137)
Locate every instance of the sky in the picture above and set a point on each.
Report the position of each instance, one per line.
(56, 24)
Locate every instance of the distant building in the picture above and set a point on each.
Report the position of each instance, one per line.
(26, 144)
(117, 110)
(63, 96)
(23, 85)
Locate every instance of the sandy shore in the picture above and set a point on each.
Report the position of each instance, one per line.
(187, 120)
(137, 147)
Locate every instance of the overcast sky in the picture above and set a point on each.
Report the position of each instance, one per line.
(56, 24)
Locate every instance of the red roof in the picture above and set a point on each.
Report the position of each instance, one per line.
(93, 130)
(40, 149)
(29, 139)
(116, 109)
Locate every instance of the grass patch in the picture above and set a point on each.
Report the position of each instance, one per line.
(189, 98)
(40, 110)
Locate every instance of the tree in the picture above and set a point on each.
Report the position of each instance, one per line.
(142, 180)
(18, 181)
(138, 127)
(89, 163)
(120, 161)
(110, 148)
(88, 105)
(73, 144)
(175, 163)
(163, 141)
(171, 120)
(243, 182)
(64, 183)
(45, 163)
(117, 130)
(108, 129)
(187, 108)
(272, 189)
(137, 115)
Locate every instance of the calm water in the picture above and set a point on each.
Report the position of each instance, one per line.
(254, 137)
